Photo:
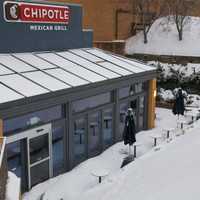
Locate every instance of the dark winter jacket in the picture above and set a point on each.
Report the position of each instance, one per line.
(129, 130)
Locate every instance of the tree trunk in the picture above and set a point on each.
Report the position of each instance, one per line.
(180, 35)
(145, 37)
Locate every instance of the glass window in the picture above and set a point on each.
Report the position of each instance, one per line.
(14, 158)
(134, 106)
(39, 173)
(94, 133)
(58, 148)
(39, 148)
(139, 87)
(17, 161)
(141, 112)
(122, 116)
(107, 127)
(132, 90)
(79, 139)
(124, 92)
(91, 102)
(31, 119)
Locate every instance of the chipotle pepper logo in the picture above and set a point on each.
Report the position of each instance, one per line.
(12, 11)
(35, 13)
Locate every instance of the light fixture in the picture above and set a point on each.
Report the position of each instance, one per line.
(155, 93)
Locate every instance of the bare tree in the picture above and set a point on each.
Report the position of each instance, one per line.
(146, 12)
(179, 13)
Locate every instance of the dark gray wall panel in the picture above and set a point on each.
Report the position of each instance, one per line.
(17, 37)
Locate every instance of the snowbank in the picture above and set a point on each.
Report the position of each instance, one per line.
(163, 39)
(171, 173)
(166, 95)
(13, 187)
(79, 184)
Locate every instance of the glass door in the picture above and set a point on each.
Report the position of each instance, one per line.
(134, 106)
(123, 108)
(141, 124)
(39, 156)
(79, 139)
(107, 127)
(94, 125)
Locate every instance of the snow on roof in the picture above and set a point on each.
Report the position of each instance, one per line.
(163, 39)
(29, 74)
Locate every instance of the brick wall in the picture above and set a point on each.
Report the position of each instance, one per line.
(100, 16)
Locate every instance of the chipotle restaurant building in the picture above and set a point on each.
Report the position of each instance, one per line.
(61, 100)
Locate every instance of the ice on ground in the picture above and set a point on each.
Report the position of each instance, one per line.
(163, 39)
(171, 172)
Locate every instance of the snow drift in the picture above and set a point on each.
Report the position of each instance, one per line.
(172, 173)
(163, 39)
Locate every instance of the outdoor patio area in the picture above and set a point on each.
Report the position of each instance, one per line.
(81, 181)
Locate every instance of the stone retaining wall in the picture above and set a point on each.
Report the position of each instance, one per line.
(113, 46)
(166, 59)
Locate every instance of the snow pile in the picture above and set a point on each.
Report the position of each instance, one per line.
(171, 173)
(142, 179)
(13, 187)
(163, 39)
(193, 100)
(166, 95)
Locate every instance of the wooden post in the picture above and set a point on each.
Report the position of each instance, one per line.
(151, 104)
(1, 130)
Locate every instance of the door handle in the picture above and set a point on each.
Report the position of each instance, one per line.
(39, 130)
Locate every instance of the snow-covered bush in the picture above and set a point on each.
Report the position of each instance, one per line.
(169, 97)
(177, 74)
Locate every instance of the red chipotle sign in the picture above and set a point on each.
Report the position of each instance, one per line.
(35, 13)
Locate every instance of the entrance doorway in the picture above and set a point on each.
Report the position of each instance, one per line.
(37, 153)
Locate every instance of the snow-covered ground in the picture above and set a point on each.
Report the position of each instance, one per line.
(13, 187)
(163, 39)
(170, 173)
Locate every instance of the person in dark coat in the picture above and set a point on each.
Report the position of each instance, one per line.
(129, 128)
(178, 107)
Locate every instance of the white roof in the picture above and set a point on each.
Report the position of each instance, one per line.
(28, 74)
